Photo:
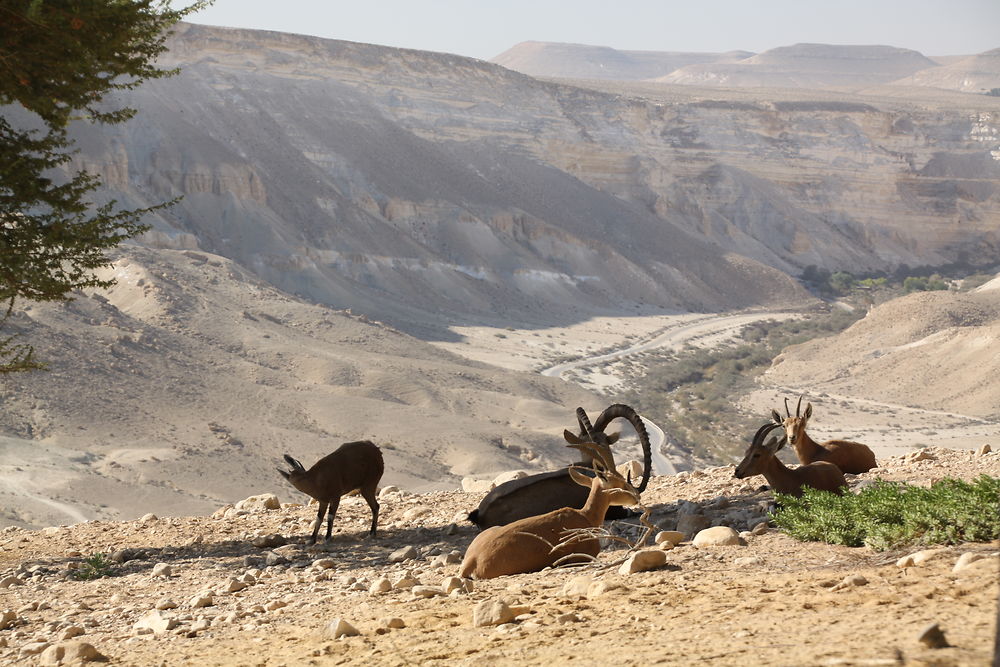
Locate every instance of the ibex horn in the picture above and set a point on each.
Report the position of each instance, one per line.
(585, 427)
(798, 405)
(788, 412)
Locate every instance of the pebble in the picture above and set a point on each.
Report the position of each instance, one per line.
(340, 627)
(7, 619)
(155, 622)
(671, 537)
(984, 450)
(716, 536)
(162, 570)
(643, 561)
(850, 581)
(406, 553)
(933, 637)
(492, 612)
(920, 557)
(380, 585)
(426, 591)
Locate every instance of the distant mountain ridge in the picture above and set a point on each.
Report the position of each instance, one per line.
(405, 184)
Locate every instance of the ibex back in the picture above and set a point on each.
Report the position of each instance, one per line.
(353, 465)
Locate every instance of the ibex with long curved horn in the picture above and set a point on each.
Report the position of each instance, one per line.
(547, 491)
(536, 542)
(850, 457)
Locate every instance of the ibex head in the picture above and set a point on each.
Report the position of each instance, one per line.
(794, 426)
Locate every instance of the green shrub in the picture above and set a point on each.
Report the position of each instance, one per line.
(94, 567)
(889, 515)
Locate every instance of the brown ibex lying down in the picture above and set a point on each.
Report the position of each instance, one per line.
(536, 542)
(547, 491)
(761, 459)
(352, 466)
(851, 457)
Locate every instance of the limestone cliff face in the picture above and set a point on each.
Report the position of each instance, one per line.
(398, 182)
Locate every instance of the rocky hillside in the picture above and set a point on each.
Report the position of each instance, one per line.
(181, 388)
(974, 74)
(580, 61)
(932, 350)
(814, 66)
(241, 587)
(401, 183)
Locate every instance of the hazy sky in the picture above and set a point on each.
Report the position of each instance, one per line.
(486, 28)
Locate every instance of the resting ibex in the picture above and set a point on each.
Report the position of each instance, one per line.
(536, 542)
(544, 492)
(353, 465)
(760, 459)
(851, 457)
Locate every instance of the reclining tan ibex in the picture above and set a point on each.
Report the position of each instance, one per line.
(547, 491)
(536, 542)
(851, 457)
(352, 466)
(760, 459)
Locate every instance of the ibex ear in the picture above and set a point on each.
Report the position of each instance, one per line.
(572, 438)
(809, 410)
(613, 437)
(580, 478)
(776, 417)
(774, 443)
(284, 473)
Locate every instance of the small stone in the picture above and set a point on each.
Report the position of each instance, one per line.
(155, 622)
(599, 588)
(7, 618)
(165, 604)
(70, 632)
(147, 518)
(201, 600)
(577, 587)
(7, 582)
(491, 612)
(568, 617)
(266, 501)
(34, 648)
(70, 653)
(381, 585)
(984, 450)
(162, 570)
(325, 564)
(415, 513)
(426, 591)
(716, 536)
(200, 625)
(405, 583)
(452, 583)
(393, 622)
(275, 605)
(933, 637)
(509, 476)
(850, 581)
(406, 553)
(760, 528)
(387, 491)
(919, 557)
(268, 541)
(339, 627)
(642, 561)
(671, 537)
(235, 586)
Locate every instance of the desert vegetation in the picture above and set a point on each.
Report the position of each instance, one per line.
(693, 393)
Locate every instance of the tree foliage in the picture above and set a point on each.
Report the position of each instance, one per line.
(59, 59)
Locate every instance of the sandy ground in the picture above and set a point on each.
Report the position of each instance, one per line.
(196, 591)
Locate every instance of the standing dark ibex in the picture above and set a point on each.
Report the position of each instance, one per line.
(851, 457)
(547, 491)
(352, 466)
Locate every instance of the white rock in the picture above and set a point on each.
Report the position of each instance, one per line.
(325, 563)
(602, 587)
(235, 586)
(426, 591)
(415, 513)
(452, 583)
(631, 469)
(165, 604)
(70, 632)
(201, 600)
(920, 557)
(491, 612)
(34, 648)
(716, 536)
(162, 570)
(155, 622)
(380, 585)
(405, 553)
(470, 485)
(339, 627)
(7, 582)
(387, 491)
(265, 501)
(147, 518)
(671, 537)
(642, 561)
(577, 587)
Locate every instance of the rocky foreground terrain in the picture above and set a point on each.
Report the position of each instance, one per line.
(241, 587)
